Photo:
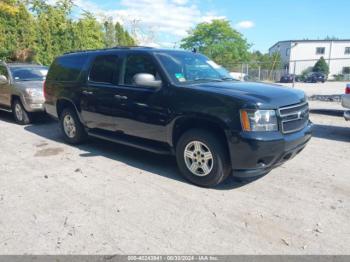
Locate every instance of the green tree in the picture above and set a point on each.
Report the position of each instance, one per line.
(219, 41)
(54, 29)
(36, 30)
(129, 40)
(25, 35)
(17, 31)
(321, 66)
(265, 61)
(110, 33)
(88, 33)
(122, 36)
(8, 12)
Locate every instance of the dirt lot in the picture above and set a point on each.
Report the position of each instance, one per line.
(102, 198)
(328, 88)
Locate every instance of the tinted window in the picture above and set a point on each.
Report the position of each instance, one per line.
(137, 64)
(3, 71)
(67, 68)
(105, 69)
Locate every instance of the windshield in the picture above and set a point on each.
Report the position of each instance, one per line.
(184, 67)
(29, 73)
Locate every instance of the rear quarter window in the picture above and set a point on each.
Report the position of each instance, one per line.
(67, 68)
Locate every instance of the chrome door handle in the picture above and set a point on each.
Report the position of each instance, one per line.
(88, 93)
(121, 97)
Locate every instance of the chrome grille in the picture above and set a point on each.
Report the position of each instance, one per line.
(294, 118)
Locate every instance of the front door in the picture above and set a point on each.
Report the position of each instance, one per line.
(144, 111)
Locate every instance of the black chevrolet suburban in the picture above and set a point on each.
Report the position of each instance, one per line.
(179, 103)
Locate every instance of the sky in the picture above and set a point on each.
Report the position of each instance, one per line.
(262, 22)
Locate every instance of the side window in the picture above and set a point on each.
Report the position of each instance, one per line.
(3, 71)
(347, 50)
(67, 68)
(137, 64)
(320, 51)
(105, 69)
(346, 70)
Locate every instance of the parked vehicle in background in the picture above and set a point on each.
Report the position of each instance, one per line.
(180, 103)
(290, 78)
(346, 102)
(239, 76)
(315, 77)
(21, 90)
(287, 78)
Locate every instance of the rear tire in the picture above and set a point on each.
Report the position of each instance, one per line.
(73, 130)
(202, 158)
(20, 115)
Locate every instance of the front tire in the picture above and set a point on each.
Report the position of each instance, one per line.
(20, 115)
(202, 158)
(72, 129)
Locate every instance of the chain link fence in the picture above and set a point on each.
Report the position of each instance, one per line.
(339, 70)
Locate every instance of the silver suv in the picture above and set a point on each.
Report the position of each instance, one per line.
(21, 90)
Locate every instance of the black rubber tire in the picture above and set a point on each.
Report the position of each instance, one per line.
(25, 115)
(80, 135)
(221, 168)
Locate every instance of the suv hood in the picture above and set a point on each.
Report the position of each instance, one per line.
(264, 95)
(29, 84)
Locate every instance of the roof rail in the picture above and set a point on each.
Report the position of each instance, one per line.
(105, 49)
(132, 46)
(81, 51)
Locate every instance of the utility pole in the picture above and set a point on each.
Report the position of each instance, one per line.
(294, 70)
(330, 55)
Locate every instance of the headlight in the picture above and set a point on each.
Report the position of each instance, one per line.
(34, 92)
(259, 120)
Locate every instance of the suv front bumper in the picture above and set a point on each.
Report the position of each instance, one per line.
(33, 104)
(256, 154)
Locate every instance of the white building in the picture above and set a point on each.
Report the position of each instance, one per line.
(298, 55)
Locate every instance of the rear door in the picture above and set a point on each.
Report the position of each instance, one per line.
(5, 94)
(100, 101)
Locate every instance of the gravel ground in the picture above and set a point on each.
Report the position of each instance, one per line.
(327, 106)
(328, 88)
(102, 198)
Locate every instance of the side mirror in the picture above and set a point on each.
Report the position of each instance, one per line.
(3, 80)
(147, 80)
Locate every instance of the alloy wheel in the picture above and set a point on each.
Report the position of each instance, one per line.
(19, 112)
(69, 126)
(198, 158)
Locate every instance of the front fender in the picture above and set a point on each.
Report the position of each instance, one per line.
(195, 120)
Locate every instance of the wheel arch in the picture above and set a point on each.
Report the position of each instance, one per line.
(14, 97)
(213, 125)
(18, 96)
(63, 103)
